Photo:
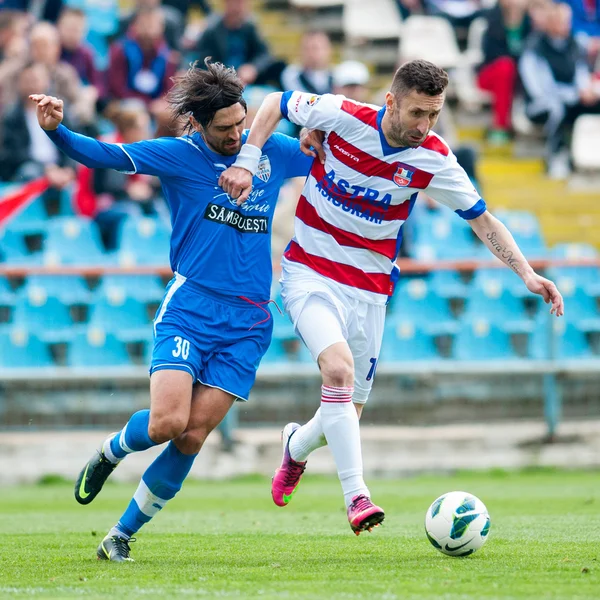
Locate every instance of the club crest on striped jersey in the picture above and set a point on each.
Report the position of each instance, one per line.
(264, 168)
(402, 177)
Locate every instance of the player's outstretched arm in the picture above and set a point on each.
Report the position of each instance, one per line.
(83, 149)
(501, 243)
(237, 180)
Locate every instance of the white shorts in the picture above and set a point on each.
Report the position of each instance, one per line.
(324, 315)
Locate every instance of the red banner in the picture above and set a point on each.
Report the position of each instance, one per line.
(16, 200)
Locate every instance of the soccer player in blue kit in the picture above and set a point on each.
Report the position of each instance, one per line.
(213, 325)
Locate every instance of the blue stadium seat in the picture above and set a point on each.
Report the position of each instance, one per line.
(581, 308)
(73, 241)
(144, 241)
(7, 301)
(127, 319)
(573, 251)
(499, 307)
(570, 341)
(418, 303)
(48, 317)
(94, 348)
(69, 289)
(32, 220)
(12, 248)
(568, 279)
(143, 288)
(19, 349)
(448, 235)
(492, 281)
(275, 354)
(448, 284)
(479, 340)
(526, 230)
(405, 342)
(6, 292)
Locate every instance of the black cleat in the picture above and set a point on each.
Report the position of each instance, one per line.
(92, 478)
(115, 548)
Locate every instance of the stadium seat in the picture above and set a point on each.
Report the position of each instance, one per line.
(73, 241)
(568, 279)
(448, 284)
(405, 342)
(316, 3)
(580, 307)
(372, 20)
(449, 236)
(32, 220)
(18, 349)
(526, 230)
(584, 144)
(143, 288)
(573, 251)
(7, 301)
(48, 317)
(493, 281)
(69, 289)
(95, 348)
(144, 241)
(126, 318)
(480, 340)
(13, 249)
(570, 342)
(419, 304)
(499, 307)
(417, 28)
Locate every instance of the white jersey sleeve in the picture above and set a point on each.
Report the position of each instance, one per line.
(311, 110)
(452, 187)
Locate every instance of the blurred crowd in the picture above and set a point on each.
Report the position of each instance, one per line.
(113, 70)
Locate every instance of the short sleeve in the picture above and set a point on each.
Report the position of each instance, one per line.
(452, 187)
(162, 157)
(295, 163)
(311, 110)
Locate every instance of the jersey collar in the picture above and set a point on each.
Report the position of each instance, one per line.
(387, 149)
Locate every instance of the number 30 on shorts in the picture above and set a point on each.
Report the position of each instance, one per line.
(182, 347)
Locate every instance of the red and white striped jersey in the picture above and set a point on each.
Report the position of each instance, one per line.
(349, 219)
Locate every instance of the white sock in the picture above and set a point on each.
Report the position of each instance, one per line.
(108, 452)
(341, 429)
(307, 438)
(116, 531)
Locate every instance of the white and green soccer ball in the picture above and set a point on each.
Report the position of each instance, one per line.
(457, 524)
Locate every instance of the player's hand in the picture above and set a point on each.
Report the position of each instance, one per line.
(237, 182)
(49, 111)
(548, 291)
(311, 143)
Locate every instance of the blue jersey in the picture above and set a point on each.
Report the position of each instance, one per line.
(214, 243)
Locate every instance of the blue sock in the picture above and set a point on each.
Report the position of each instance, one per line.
(133, 437)
(161, 481)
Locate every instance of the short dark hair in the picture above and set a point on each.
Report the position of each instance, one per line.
(201, 93)
(420, 75)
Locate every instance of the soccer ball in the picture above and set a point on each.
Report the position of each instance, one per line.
(457, 524)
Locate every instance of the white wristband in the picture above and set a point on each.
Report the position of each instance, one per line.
(248, 158)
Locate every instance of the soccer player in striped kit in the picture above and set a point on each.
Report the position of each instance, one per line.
(339, 270)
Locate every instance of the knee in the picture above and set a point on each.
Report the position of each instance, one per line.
(192, 440)
(166, 427)
(336, 369)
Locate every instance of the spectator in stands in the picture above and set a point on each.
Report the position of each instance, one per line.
(409, 7)
(558, 84)
(13, 53)
(314, 73)
(350, 79)
(119, 195)
(25, 151)
(586, 25)
(72, 28)
(233, 39)
(173, 19)
(141, 64)
(507, 28)
(45, 48)
(38, 10)
(460, 14)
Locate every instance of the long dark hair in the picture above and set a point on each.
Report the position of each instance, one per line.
(201, 93)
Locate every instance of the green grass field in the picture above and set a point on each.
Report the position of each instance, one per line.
(229, 540)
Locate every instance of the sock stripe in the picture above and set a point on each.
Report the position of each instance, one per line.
(336, 395)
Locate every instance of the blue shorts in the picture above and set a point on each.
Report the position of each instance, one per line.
(218, 340)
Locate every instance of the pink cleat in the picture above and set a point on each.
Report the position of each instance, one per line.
(364, 515)
(287, 477)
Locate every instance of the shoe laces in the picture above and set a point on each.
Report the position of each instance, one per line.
(122, 545)
(293, 472)
(361, 503)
